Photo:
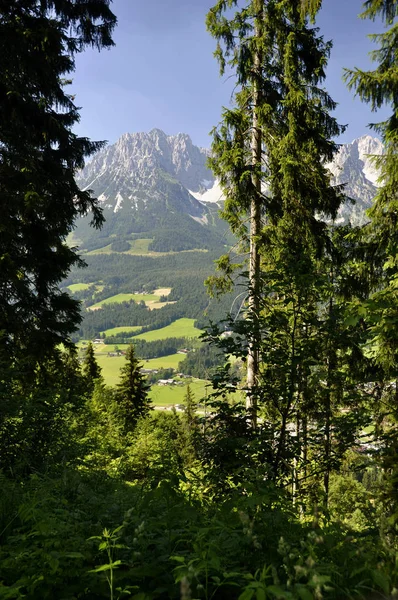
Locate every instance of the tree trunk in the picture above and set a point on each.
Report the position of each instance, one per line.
(255, 228)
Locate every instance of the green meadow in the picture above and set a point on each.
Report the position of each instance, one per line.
(122, 329)
(78, 287)
(111, 365)
(179, 328)
(166, 395)
(118, 298)
(139, 247)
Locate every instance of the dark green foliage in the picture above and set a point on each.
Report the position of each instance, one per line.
(37, 422)
(91, 371)
(153, 349)
(39, 157)
(120, 246)
(132, 391)
(49, 548)
(202, 362)
(380, 238)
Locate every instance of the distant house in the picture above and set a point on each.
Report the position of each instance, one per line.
(165, 381)
(146, 371)
(183, 351)
(98, 341)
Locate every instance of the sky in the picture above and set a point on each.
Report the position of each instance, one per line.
(162, 72)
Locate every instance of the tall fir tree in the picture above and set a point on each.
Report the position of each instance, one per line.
(39, 157)
(379, 87)
(190, 406)
(132, 391)
(270, 150)
(91, 370)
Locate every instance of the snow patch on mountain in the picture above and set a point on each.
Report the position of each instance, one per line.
(119, 202)
(202, 220)
(168, 173)
(212, 194)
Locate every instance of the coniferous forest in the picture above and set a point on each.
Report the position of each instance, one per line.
(283, 482)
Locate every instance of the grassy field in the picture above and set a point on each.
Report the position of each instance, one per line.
(174, 394)
(78, 287)
(123, 329)
(126, 298)
(111, 365)
(180, 328)
(164, 362)
(139, 247)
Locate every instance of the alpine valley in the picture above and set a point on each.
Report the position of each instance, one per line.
(146, 267)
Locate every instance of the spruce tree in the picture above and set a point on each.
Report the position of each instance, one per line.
(190, 409)
(132, 391)
(39, 157)
(379, 87)
(91, 370)
(269, 153)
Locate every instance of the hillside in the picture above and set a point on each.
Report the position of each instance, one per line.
(162, 230)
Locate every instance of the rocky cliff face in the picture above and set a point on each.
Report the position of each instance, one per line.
(353, 167)
(156, 172)
(149, 167)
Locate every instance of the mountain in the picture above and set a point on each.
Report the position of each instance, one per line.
(160, 185)
(147, 183)
(162, 230)
(353, 167)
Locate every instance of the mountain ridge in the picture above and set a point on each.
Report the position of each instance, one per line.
(137, 162)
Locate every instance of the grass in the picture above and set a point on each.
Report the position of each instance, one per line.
(139, 247)
(118, 298)
(160, 395)
(78, 287)
(104, 250)
(111, 365)
(105, 348)
(174, 394)
(179, 328)
(122, 329)
(164, 362)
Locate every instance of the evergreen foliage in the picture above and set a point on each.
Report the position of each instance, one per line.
(39, 157)
(277, 138)
(102, 497)
(132, 391)
(379, 87)
(91, 371)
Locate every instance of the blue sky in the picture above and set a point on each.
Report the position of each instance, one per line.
(162, 72)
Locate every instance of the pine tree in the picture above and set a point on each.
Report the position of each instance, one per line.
(39, 157)
(91, 370)
(132, 391)
(190, 409)
(269, 152)
(379, 87)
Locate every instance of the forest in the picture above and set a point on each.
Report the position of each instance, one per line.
(280, 484)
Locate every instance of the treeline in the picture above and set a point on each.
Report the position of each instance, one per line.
(128, 314)
(153, 349)
(202, 362)
(169, 231)
(184, 273)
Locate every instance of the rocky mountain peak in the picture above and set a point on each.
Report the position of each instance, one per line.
(152, 167)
